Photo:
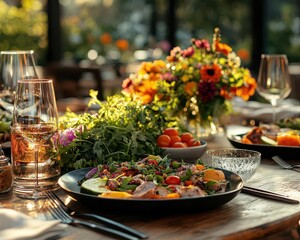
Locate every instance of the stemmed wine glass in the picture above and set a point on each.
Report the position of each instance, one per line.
(14, 65)
(35, 121)
(273, 81)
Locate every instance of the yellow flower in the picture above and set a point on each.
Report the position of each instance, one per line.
(185, 78)
(201, 75)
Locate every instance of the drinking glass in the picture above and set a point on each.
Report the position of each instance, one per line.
(273, 81)
(33, 131)
(14, 65)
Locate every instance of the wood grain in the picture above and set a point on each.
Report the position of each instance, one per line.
(245, 217)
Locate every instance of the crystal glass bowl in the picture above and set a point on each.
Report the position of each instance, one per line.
(240, 161)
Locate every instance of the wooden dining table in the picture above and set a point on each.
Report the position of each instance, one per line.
(244, 217)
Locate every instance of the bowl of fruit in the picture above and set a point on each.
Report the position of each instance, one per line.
(181, 146)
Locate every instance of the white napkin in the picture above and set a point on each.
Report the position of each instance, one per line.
(16, 225)
(263, 111)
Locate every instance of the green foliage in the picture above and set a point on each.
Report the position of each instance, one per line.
(122, 130)
(23, 27)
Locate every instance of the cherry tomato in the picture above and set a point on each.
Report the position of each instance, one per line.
(185, 137)
(188, 183)
(171, 132)
(163, 141)
(152, 162)
(175, 139)
(172, 180)
(193, 143)
(179, 145)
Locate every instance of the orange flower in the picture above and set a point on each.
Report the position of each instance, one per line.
(190, 88)
(152, 69)
(228, 94)
(105, 38)
(243, 54)
(122, 44)
(211, 72)
(147, 90)
(223, 48)
(201, 75)
(248, 89)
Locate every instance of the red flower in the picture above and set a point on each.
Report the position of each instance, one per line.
(207, 91)
(211, 72)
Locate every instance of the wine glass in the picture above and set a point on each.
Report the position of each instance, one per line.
(35, 122)
(273, 81)
(14, 65)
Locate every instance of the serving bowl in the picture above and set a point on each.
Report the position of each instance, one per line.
(243, 162)
(187, 154)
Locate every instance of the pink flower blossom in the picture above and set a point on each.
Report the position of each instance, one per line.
(188, 52)
(204, 44)
(66, 137)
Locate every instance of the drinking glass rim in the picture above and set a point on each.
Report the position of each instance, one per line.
(255, 153)
(36, 80)
(273, 55)
(17, 52)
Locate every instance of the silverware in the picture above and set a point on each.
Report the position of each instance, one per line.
(284, 164)
(269, 194)
(59, 213)
(97, 217)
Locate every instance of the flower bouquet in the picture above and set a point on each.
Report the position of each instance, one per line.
(196, 83)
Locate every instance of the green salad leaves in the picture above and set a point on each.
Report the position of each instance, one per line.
(121, 130)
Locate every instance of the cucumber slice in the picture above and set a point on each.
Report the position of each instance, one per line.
(268, 141)
(94, 186)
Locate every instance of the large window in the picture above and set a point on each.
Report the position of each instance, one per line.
(100, 25)
(128, 30)
(283, 28)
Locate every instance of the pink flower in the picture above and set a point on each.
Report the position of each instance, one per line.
(66, 137)
(175, 51)
(204, 44)
(188, 52)
(168, 77)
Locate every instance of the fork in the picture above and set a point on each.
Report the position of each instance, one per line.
(59, 213)
(284, 164)
(107, 221)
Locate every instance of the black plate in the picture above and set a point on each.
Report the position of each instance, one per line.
(68, 182)
(267, 151)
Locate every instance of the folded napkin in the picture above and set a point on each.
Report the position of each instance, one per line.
(16, 225)
(264, 111)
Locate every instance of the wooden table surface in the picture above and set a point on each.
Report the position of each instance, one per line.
(244, 217)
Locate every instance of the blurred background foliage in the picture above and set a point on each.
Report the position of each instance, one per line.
(101, 30)
(23, 25)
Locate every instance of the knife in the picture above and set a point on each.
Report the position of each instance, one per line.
(269, 194)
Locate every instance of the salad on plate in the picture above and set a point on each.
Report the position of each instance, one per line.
(153, 177)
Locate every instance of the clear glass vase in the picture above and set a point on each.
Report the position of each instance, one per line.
(205, 124)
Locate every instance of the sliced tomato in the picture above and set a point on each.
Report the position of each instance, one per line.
(152, 162)
(188, 183)
(172, 180)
